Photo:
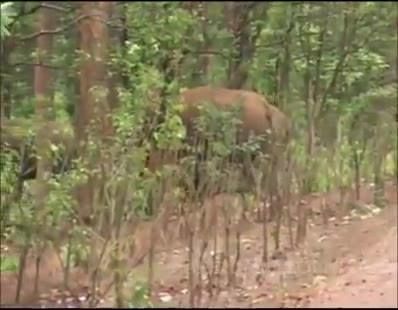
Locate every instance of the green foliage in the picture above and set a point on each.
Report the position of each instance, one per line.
(8, 263)
(8, 179)
(171, 133)
(220, 127)
(6, 17)
(139, 298)
(154, 44)
(77, 250)
(8, 169)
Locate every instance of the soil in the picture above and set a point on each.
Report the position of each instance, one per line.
(347, 260)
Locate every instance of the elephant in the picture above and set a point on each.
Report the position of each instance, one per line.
(258, 117)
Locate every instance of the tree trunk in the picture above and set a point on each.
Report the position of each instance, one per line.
(238, 19)
(124, 37)
(200, 73)
(43, 93)
(93, 106)
(7, 46)
(379, 156)
(310, 147)
(283, 72)
(238, 25)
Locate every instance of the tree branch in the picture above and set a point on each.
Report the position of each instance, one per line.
(20, 64)
(60, 29)
(22, 13)
(343, 55)
(55, 7)
(349, 48)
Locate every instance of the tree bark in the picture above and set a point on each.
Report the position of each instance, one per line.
(200, 73)
(93, 107)
(43, 87)
(283, 88)
(238, 19)
(7, 47)
(124, 37)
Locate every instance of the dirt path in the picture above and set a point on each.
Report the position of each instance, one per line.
(368, 276)
(351, 262)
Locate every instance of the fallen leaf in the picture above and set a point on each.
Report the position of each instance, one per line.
(257, 300)
(351, 261)
(165, 297)
(319, 279)
(82, 298)
(184, 291)
(69, 300)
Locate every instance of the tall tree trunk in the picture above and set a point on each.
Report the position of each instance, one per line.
(7, 46)
(43, 93)
(117, 38)
(93, 106)
(283, 89)
(201, 70)
(124, 37)
(238, 18)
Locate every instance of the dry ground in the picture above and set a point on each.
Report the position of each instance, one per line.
(348, 262)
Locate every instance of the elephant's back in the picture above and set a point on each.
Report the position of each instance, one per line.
(256, 117)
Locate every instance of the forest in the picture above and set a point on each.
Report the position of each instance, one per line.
(143, 144)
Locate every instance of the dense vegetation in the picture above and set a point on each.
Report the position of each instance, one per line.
(88, 90)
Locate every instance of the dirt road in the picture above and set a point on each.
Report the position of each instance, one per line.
(367, 276)
(371, 283)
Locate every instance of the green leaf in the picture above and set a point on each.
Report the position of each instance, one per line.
(6, 17)
(8, 263)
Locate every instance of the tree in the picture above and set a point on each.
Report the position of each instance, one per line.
(239, 21)
(43, 88)
(6, 19)
(93, 107)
